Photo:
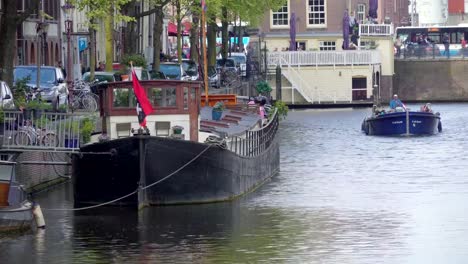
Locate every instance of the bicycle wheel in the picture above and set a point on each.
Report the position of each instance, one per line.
(50, 140)
(22, 138)
(89, 103)
(76, 103)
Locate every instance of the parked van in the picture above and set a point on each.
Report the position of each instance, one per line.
(241, 62)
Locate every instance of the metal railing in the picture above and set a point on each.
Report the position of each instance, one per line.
(254, 142)
(375, 29)
(324, 58)
(28, 130)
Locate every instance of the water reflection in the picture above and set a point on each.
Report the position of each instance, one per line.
(341, 197)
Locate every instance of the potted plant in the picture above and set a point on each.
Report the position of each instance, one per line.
(217, 111)
(62, 108)
(177, 130)
(263, 88)
(72, 129)
(87, 128)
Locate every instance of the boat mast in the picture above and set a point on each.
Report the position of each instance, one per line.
(205, 59)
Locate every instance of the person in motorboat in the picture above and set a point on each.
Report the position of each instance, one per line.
(377, 110)
(396, 104)
(426, 108)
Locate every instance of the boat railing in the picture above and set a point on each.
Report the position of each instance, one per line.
(24, 130)
(254, 142)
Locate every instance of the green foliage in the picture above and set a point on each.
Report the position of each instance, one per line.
(45, 106)
(98, 10)
(63, 108)
(282, 109)
(2, 115)
(219, 106)
(42, 122)
(19, 91)
(33, 104)
(87, 128)
(263, 88)
(137, 59)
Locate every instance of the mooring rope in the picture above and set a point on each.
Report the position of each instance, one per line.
(134, 192)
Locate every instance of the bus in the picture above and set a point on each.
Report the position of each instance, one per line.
(412, 37)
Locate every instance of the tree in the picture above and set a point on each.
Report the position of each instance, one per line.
(10, 19)
(157, 31)
(107, 11)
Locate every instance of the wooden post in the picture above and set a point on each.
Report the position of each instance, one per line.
(205, 59)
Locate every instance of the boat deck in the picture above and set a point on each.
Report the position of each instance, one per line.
(233, 121)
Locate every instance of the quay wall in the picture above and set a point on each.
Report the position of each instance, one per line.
(35, 178)
(430, 80)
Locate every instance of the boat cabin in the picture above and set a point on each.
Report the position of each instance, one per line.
(176, 107)
(7, 182)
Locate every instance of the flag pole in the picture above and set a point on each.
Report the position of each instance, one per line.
(205, 60)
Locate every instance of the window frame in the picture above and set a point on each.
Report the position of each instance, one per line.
(272, 25)
(308, 11)
(360, 13)
(323, 47)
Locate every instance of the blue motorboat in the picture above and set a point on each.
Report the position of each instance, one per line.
(402, 123)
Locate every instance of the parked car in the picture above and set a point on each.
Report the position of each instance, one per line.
(241, 62)
(191, 68)
(174, 71)
(214, 77)
(226, 64)
(52, 82)
(157, 75)
(6, 96)
(102, 76)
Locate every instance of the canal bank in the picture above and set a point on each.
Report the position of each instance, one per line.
(434, 80)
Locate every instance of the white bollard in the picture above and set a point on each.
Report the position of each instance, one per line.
(38, 216)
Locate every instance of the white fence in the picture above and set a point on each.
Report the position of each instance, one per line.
(324, 58)
(375, 29)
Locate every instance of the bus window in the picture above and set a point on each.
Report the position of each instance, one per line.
(434, 37)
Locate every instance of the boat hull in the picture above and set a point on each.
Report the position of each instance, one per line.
(16, 218)
(420, 123)
(216, 175)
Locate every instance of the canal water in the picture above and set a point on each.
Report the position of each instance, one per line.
(341, 197)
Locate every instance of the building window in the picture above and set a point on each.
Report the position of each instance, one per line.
(280, 17)
(316, 13)
(361, 13)
(327, 45)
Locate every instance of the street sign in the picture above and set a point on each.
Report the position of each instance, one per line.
(82, 43)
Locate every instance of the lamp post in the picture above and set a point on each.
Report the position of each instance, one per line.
(68, 7)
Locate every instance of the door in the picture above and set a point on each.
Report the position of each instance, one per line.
(359, 88)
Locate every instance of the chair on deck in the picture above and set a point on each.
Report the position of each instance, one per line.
(163, 129)
(123, 129)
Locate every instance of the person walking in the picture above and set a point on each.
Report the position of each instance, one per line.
(446, 42)
(398, 46)
(463, 46)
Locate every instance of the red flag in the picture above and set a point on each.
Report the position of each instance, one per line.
(144, 107)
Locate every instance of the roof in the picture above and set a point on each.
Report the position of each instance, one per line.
(35, 66)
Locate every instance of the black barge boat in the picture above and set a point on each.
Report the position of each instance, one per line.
(215, 161)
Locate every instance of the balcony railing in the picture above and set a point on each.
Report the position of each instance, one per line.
(324, 58)
(46, 131)
(375, 30)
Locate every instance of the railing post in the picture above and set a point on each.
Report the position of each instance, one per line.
(278, 83)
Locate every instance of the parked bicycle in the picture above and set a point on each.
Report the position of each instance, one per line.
(83, 98)
(32, 131)
(28, 134)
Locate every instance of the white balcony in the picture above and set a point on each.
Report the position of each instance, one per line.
(324, 58)
(375, 30)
